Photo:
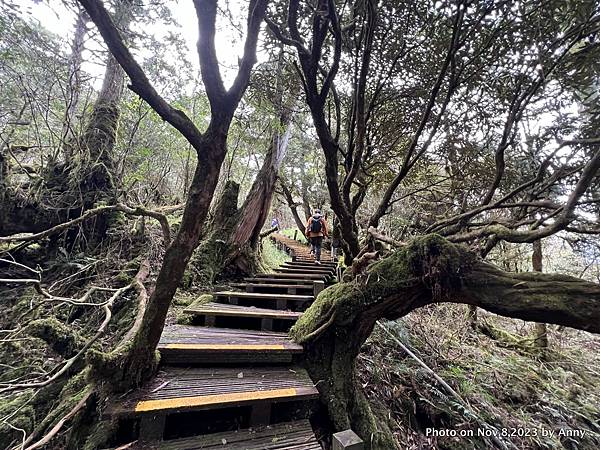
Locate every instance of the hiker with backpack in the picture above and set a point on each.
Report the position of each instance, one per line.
(316, 230)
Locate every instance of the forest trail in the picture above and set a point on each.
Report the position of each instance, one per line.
(235, 368)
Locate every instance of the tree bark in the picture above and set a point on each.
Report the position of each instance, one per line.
(541, 330)
(258, 201)
(138, 362)
(231, 240)
(289, 198)
(427, 270)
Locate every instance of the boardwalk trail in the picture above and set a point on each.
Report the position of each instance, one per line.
(232, 381)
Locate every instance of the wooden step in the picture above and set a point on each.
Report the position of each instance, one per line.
(181, 344)
(311, 268)
(296, 435)
(262, 296)
(295, 276)
(291, 288)
(224, 309)
(311, 260)
(325, 272)
(262, 299)
(307, 264)
(277, 280)
(177, 389)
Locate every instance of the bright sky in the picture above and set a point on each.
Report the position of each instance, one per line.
(55, 17)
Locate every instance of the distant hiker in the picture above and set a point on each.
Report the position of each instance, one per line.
(275, 223)
(316, 229)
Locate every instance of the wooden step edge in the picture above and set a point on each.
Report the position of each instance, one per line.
(273, 286)
(294, 276)
(262, 295)
(307, 264)
(288, 282)
(233, 348)
(305, 271)
(214, 401)
(287, 435)
(246, 312)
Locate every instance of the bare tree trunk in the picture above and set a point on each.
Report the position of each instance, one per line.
(540, 331)
(238, 230)
(258, 201)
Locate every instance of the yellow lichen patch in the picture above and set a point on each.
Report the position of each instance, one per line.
(205, 400)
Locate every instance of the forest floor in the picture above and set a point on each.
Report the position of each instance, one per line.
(534, 400)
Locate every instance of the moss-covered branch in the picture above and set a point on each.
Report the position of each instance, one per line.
(134, 211)
(427, 270)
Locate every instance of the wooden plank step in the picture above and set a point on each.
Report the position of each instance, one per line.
(278, 280)
(253, 287)
(262, 296)
(306, 264)
(177, 389)
(227, 310)
(325, 272)
(296, 276)
(181, 344)
(312, 268)
(296, 435)
(311, 260)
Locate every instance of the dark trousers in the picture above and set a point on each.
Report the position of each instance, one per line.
(316, 245)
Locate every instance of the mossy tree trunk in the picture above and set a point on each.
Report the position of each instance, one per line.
(138, 360)
(85, 176)
(427, 270)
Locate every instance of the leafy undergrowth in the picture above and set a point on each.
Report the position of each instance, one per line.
(530, 400)
(272, 258)
(289, 232)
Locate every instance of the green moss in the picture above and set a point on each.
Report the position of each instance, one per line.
(430, 260)
(182, 300)
(188, 278)
(101, 433)
(271, 258)
(20, 356)
(202, 299)
(124, 367)
(184, 319)
(60, 337)
(19, 412)
(125, 276)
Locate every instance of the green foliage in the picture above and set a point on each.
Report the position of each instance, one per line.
(289, 232)
(19, 412)
(272, 258)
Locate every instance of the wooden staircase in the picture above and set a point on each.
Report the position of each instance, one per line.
(233, 379)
